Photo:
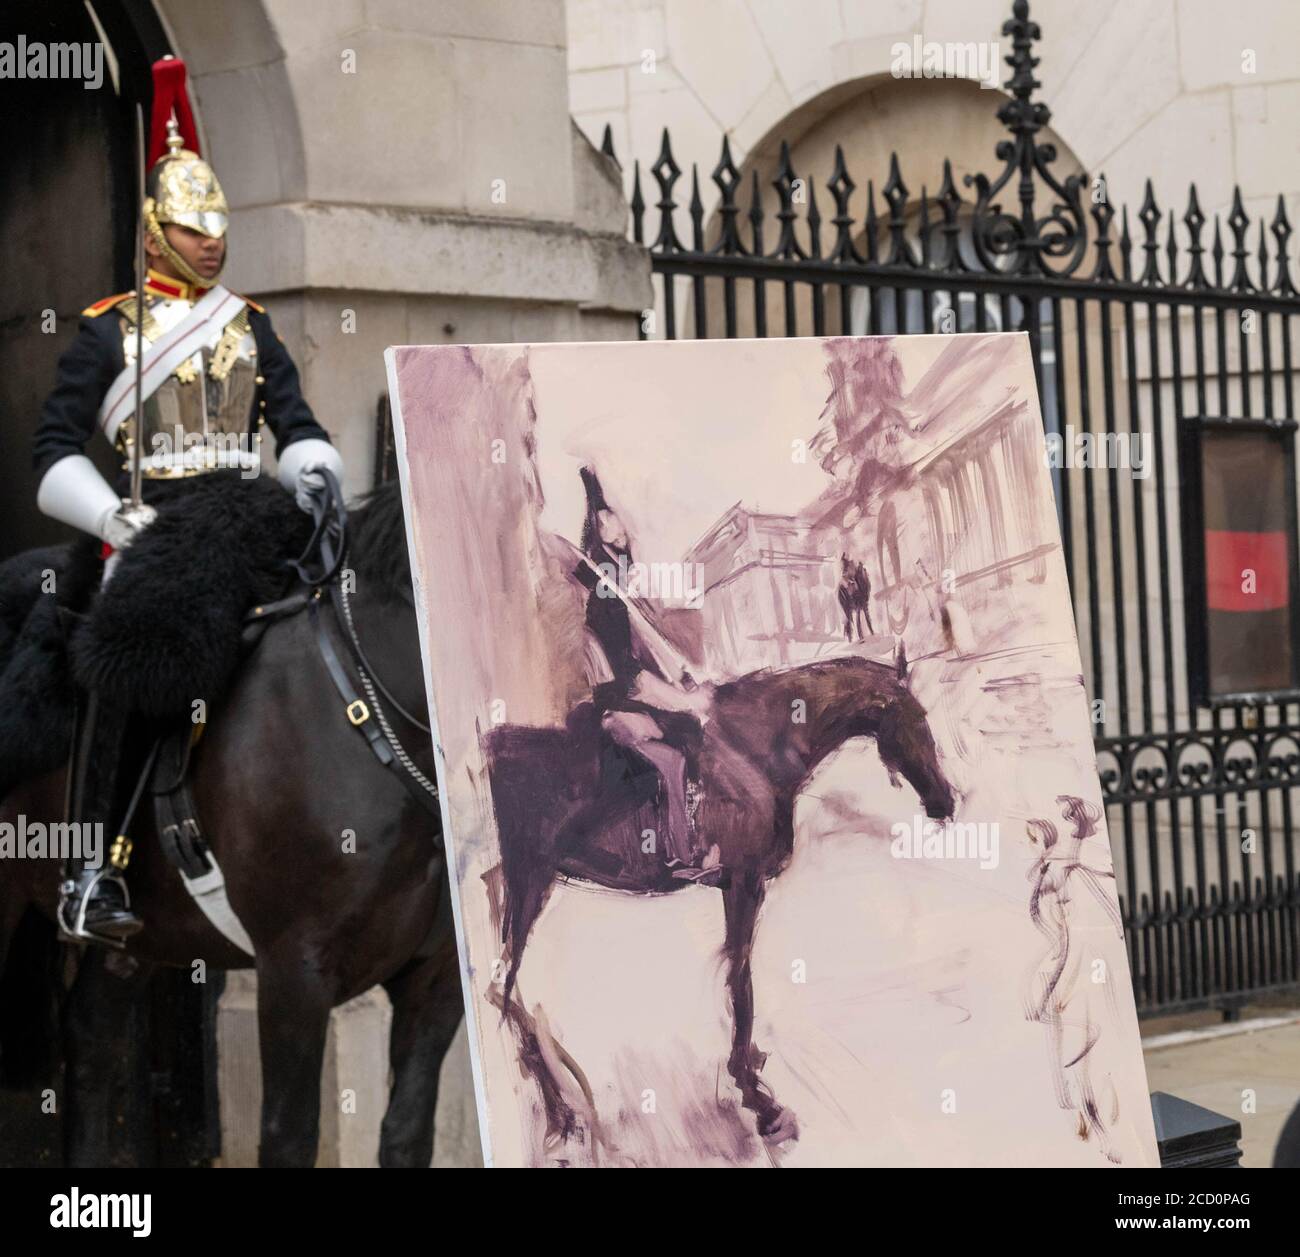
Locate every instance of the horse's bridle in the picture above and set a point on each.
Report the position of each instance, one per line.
(320, 568)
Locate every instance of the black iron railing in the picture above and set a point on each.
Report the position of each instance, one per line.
(1129, 335)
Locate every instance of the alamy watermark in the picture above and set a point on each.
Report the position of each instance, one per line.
(124, 1211)
(929, 59)
(207, 450)
(924, 839)
(1126, 451)
(681, 583)
(29, 59)
(60, 840)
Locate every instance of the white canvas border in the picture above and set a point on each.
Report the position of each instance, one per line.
(440, 767)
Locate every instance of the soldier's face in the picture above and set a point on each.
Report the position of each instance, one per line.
(611, 530)
(202, 253)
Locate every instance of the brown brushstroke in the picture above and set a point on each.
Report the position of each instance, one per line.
(1053, 982)
(569, 804)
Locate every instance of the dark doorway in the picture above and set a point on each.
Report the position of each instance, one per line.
(67, 223)
(66, 216)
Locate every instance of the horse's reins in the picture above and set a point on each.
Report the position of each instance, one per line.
(319, 567)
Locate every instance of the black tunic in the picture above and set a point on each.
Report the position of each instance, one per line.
(94, 359)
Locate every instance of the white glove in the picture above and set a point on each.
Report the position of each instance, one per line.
(73, 492)
(301, 463)
(126, 523)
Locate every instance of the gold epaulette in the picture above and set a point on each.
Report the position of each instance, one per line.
(108, 303)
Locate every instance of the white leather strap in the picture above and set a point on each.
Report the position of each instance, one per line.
(162, 356)
(209, 892)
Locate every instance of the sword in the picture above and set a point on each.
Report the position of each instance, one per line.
(137, 426)
(674, 665)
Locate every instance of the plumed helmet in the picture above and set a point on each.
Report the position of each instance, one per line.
(181, 187)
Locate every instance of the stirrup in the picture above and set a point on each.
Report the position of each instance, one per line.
(73, 894)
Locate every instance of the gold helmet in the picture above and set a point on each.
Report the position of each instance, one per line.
(182, 188)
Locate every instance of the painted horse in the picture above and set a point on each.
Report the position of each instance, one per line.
(568, 805)
(330, 865)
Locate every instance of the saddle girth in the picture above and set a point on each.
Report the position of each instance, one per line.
(175, 812)
(176, 818)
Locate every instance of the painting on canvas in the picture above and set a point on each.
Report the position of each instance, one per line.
(765, 756)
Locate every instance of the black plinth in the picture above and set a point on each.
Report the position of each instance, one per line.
(1191, 1137)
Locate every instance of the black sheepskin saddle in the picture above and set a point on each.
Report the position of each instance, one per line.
(163, 633)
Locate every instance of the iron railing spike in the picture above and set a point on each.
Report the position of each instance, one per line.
(727, 177)
(872, 224)
(756, 217)
(895, 194)
(1194, 221)
(787, 245)
(1239, 221)
(814, 219)
(1102, 214)
(841, 187)
(696, 211)
(1149, 216)
(1281, 229)
(923, 228)
(666, 172)
(637, 203)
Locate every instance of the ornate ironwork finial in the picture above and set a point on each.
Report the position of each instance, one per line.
(1023, 243)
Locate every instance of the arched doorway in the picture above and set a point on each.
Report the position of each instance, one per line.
(67, 215)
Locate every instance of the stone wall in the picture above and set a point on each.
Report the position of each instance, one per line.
(1165, 89)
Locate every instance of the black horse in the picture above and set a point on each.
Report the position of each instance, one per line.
(330, 865)
(767, 733)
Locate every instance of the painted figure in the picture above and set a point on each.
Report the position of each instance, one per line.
(855, 598)
(646, 697)
(1057, 999)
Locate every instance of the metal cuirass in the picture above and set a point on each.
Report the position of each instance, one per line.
(199, 418)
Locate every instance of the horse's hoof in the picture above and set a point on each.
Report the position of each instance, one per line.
(779, 1127)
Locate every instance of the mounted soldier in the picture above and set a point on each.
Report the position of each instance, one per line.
(640, 684)
(181, 376)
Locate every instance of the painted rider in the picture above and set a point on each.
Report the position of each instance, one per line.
(639, 684)
(215, 373)
(855, 597)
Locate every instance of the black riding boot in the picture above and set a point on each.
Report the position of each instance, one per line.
(94, 903)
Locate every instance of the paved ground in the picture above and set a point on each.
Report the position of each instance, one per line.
(1231, 1069)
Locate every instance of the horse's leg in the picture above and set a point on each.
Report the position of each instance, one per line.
(561, 1120)
(107, 1060)
(742, 899)
(427, 1008)
(293, 1010)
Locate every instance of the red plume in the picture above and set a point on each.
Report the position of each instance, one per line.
(170, 96)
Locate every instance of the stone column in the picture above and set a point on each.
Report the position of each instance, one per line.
(406, 173)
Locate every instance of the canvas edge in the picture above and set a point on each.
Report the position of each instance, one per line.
(1089, 757)
(531, 345)
(440, 768)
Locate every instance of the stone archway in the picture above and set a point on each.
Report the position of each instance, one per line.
(67, 218)
(244, 102)
(923, 121)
